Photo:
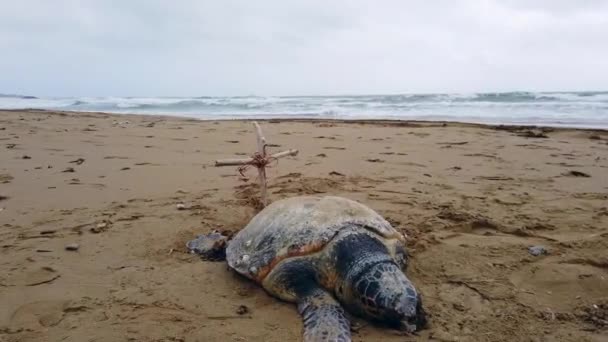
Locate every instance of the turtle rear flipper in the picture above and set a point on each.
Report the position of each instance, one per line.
(323, 317)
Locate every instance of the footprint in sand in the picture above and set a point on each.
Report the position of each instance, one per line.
(552, 282)
(34, 315)
(375, 160)
(574, 173)
(420, 134)
(5, 178)
(78, 161)
(453, 143)
(115, 157)
(39, 276)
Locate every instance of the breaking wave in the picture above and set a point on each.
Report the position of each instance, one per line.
(580, 109)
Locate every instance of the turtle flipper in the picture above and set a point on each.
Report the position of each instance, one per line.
(211, 247)
(323, 317)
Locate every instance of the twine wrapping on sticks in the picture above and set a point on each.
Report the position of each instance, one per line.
(257, 160)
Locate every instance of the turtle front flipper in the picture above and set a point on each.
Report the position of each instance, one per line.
(211, 247)
(295, 280)
(323, 317)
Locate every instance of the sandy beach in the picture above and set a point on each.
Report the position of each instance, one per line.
(470, 198)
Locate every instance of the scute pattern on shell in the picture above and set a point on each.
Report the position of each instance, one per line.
(298, 226)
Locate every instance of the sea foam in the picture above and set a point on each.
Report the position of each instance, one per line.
(574, 109)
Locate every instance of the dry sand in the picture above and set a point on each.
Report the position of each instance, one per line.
(472, 199)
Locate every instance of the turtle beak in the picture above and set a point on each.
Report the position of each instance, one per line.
(407, 326)
(416, 322)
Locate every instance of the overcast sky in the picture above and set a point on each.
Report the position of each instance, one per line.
(280, 47)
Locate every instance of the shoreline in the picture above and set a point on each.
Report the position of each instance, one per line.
(390, 122)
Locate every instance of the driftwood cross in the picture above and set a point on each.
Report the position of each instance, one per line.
(259, 160)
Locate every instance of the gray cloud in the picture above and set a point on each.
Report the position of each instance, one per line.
(185, 47)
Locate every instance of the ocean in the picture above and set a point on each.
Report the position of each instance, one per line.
(570, 109)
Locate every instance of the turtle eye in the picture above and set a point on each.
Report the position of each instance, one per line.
(341, 289)
(401, 256)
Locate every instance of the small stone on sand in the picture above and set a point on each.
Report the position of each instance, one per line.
(180, 206)
(537, 250)
(99, 228)
(242, 309)
(72, 247)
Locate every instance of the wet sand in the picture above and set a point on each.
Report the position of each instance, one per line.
(471, 198)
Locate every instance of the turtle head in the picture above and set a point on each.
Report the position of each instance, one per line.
(373, 285)
(384, 293)
(210, 246)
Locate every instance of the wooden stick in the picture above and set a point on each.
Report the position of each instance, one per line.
(228, 162)
(261, 139)
(244, 161)
(284, 154)
(261, 170)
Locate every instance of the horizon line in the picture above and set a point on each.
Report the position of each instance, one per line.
(308, 95)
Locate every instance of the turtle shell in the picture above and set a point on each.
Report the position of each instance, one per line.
(298, 226)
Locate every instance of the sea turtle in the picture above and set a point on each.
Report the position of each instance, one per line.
(324, 253)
